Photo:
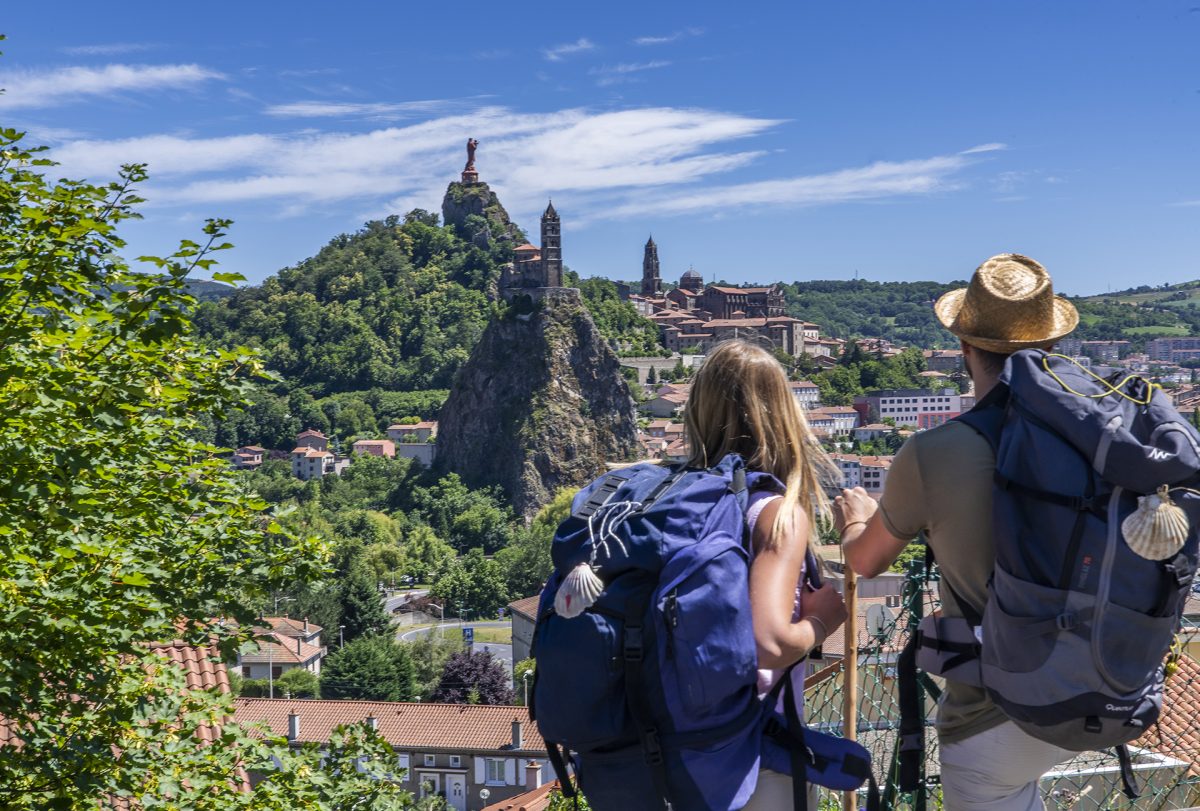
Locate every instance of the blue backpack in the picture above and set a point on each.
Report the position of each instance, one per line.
(649, 688)
(1078, 622)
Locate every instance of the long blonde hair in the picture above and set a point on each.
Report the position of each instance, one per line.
(740, 402)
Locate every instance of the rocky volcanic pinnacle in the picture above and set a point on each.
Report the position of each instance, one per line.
(540, 405)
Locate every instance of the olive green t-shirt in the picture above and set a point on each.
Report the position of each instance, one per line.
(941, 483)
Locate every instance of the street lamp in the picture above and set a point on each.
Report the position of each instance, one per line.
(341, 637)
(525, 681)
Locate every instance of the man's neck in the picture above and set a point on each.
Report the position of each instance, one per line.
(984, 383)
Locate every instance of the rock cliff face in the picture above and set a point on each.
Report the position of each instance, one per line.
(466, 200)
(540, 405)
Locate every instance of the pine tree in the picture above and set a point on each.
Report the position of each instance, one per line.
(363, 612)
(371, 668)
(651, 376)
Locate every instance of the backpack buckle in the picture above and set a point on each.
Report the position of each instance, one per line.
(1067, 621)
(652, 747)
(633, 647)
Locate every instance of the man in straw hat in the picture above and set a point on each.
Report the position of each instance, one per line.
(940, 483)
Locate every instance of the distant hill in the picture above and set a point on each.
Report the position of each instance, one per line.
(204, 290)
(1140, 313)
(901, 312)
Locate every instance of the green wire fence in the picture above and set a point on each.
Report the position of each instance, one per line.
(1166, 758)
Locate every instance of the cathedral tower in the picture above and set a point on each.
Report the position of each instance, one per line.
(552, 275)
(651, 283)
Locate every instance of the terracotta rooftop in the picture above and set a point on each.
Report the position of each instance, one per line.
(527, 247)
(743, 290)
(1176, 734)
(526, 607)
(536, 800)
(278, 649)
(310, 432)
(288, 626)
(456, 727)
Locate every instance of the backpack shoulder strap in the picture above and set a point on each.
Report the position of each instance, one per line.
(987, 417)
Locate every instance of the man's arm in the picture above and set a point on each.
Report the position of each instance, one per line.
(869, 546)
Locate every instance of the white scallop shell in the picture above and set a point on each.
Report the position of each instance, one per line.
(578, 591)
(1157, 529)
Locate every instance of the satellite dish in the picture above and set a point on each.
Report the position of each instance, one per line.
(880, 621)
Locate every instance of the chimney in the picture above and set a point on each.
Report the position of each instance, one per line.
(533, 775)
(297, 646)
(293, 727)
(517, 740)
(306, 625)
(373, 722)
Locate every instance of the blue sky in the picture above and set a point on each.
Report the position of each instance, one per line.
(895, 140)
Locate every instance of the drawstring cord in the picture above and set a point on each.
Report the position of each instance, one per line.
(611, 515)
(1111, 389)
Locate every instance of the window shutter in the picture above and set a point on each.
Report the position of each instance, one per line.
(521, 771)
(480, 771)
(510, 772)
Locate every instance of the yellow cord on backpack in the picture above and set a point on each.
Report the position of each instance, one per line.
(1171, 666)
(1150, 387)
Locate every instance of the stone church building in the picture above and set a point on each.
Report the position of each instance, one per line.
(534, 267)
(695, 316)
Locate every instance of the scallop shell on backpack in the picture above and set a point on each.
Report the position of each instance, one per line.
(1158, 528)
(579, 590)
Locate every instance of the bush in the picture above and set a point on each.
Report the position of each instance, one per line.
(298, 683)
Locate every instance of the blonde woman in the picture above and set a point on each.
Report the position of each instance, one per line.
(740, 403)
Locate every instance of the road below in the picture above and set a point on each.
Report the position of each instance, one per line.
(502, 652)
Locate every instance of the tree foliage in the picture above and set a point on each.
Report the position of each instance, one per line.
(122, 530)
(476, 678)
(363, 612)
(372, 668)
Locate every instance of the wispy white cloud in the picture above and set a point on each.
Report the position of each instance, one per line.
(880, 180)
(378, 110)
(109, 49)
(672, 37)
(993, 147)
(557, 52)
(596, 164)
(1186, 203)
(623, 72)
(30, 89)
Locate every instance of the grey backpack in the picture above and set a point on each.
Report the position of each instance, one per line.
(1071, 644)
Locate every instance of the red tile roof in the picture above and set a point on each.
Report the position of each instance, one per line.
(526, 607)
(287, 626)
(310, 432)
(1177, 733)
(278, 649)
(536, 800)
(527, 247)
(456, 727)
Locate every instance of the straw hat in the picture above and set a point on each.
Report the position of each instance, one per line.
(1009, 305)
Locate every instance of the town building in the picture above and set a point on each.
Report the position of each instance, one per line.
(522, 616)
(424, 431)
(1104, 351)
(278, 653)
(451, 750)
(867, 472)
(1173, 350)
(837, 421)
(948, 361)
(375, 447)
(311, 458)
(248, 457)
(921, 408)
(806, 393)
(668, 401)
(876, 430)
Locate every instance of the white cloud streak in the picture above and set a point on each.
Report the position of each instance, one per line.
(623, 72)
(40, 89)
(619, 164)
(672, 37)
(378, 110)
(109, 49)
(557, 52)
